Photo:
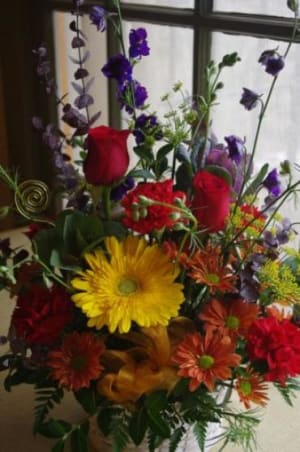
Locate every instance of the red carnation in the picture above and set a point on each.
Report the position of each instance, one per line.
(107, 158)
(278, 345)
(41, 314)
(211, 200)
(157, 217)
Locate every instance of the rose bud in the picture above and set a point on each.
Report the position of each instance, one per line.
(107, 158)
(211, 200)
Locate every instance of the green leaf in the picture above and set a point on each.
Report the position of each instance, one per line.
(54, 428)
(175, 439)
(59, 446)
(142, 174)
(200, 434)
(105, 419)
(164, 151)
(86, 398)
(138, 426)
(79, 440)
(257, 180)
(144, 153)
(4, 211)
(46, 241)
(156, 401)
(161, 166)
(220, 172)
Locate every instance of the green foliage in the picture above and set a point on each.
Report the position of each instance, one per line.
(155, 404)
(87, 399)
(175, 438)
(200, 434)
(79, 438)
(114, 422)
(257, 181)
(45, 398)
(54, 428)
(138, 426)
(240, 429)
(289, 390)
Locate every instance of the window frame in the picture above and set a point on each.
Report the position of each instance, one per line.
(201, 19)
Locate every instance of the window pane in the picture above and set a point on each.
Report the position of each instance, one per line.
(163, 67)
(279, 134)
(266, 7)
(171, 3)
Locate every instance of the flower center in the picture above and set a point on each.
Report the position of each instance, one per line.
(213, 278)
(78, 362)
(127, 286)
(206, 361)
(232, 322)
(246, 388)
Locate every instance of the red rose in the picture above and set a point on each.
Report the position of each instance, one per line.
(41, 314)
(277, 344)
(157, 216)
(107, 158)
(211, 200)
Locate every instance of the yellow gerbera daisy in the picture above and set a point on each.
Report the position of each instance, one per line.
(135, 284)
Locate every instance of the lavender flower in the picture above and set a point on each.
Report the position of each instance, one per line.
(138, 43)
(98, 17)
(272, 183)
(119, 68)
(235, 147)
(249, 99)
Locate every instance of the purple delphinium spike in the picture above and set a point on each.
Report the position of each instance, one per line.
(235, 147)
(98, 17)
(272, 183)
(119, 68)
(249, 99)
(138, 43)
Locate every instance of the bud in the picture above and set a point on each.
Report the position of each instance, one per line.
(143, 212)
(144, 201)
(293, 5)
(179, 227)
(285, 167)
(175, 216)
(179, 202)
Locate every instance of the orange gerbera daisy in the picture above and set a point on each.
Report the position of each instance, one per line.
(232, 318)
(206, 359)
(76, 363)
(252, 388)
(207, 267)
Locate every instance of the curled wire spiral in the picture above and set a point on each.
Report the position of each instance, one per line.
(32, 199)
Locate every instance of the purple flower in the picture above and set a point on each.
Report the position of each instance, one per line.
(249, 99)
(235, 147)
(132, 94)
(273, 62)
(146, 125)
(274, 65)
(118, 192)
(119, 68)
(272, 183)
(98, 17)
(138, 43)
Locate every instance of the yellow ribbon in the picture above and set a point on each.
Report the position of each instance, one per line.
(145, 367)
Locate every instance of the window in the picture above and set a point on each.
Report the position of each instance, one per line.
(184, 36)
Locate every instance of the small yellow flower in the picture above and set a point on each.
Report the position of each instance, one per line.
(135, 284)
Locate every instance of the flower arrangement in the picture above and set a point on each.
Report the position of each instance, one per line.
(164, 278)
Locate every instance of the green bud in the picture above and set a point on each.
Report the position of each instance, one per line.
(143, 212)
(177, 86)
(285, 167)
(293, 5)
(179, 227)
(175, 216)
(144, 201)
(135, 215)
(179, 202)
(229, 60)
(149, 141)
